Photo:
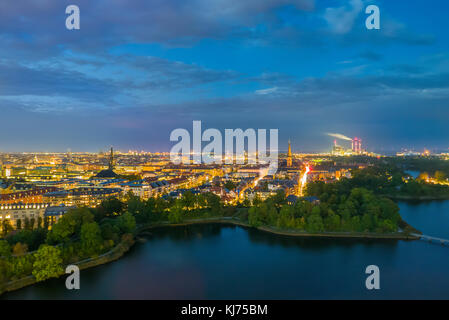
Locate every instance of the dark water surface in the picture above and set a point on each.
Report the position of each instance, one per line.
(227, 262)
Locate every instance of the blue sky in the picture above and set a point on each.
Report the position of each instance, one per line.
(137, 70)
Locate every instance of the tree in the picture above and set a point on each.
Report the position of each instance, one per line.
(46, 223)
(6, 227)
(440, 176)
(39, 222)
(32, 223)
(314, 223)
(19, 224)
(4, 270)
(91, 239)
(27, 224)
(109, 207)
(20, 249)
(5, 248)
(47, 263)
(69, 225)
(230, 185)
(127, 222)
(176, 214)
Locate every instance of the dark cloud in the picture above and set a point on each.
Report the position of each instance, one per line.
(18, 80)
(370, 55)
(40, 25)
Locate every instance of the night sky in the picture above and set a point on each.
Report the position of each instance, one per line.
(136, 70)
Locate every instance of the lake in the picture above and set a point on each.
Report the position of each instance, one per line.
(229, 262)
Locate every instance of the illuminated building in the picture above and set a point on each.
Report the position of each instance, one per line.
(84, 196)
(54, 213)
(20, 211)
(33, 195)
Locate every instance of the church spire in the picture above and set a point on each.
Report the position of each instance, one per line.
(289, 154)
(111, 159)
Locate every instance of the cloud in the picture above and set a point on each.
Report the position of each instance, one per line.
(105, 23)
(341, 19)
(266, 91)
(370, 55)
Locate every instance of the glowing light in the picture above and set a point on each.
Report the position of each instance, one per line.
(304, 178)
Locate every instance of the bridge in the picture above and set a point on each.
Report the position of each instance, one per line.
(444, 242)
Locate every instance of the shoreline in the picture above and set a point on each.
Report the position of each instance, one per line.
(416, 199)
(119, 251)
(291, 233)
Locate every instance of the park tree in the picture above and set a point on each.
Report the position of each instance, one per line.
(5, 248)
(230, 185)
(27, 224)
(20, 249)
(176, 214)
(69, 225)
(108, 208)
(47, 263)
(440, 176)
(39, 222)
(91, 240)
(32, 223)
(6, 227)
(46, 223)
(314, 223)
(127, 223)
(4, 270)
(19, 224)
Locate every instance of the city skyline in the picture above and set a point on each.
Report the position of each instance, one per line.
(304, 67)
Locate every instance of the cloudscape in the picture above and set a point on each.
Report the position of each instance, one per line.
(133, 72)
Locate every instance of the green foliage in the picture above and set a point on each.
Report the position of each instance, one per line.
(33, 239)
(21, 266)
(126, 223)
(176, 214)
(342, 208)
(230, 185)
(440, 176)
(69, 225)
(109, 208)
(19, 249)
(47, 263)
(91, 240)
(5, 248)
(6, 227)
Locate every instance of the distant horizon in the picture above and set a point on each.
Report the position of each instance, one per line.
(281, 151)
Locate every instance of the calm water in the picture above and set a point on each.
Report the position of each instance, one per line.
(226, 262)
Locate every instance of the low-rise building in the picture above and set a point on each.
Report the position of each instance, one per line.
(20, 211)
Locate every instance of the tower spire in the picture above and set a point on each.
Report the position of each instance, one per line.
(111, 159)
(289, 154)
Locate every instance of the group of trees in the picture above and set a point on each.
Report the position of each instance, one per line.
(81, 233)
(391, 181)
(87, 232)
(357, 210)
